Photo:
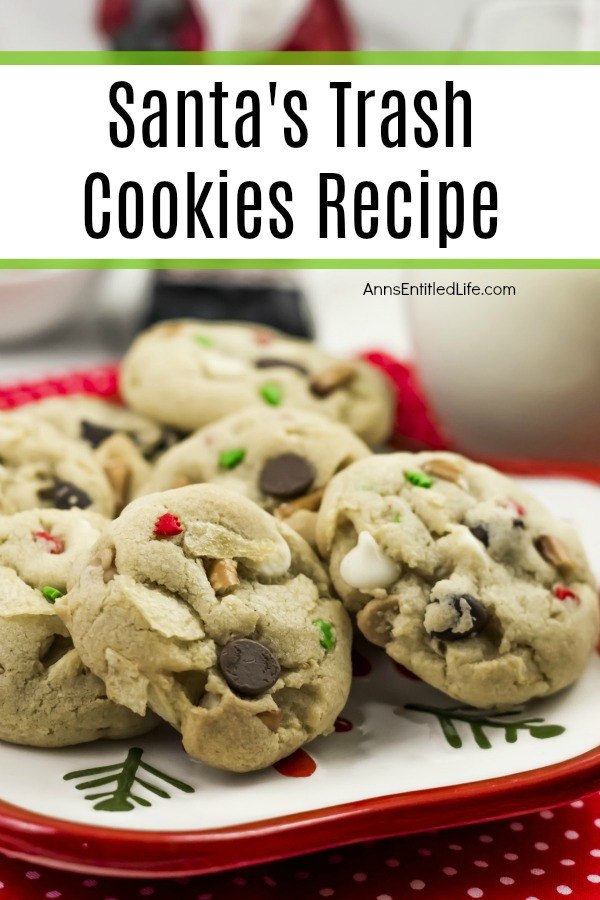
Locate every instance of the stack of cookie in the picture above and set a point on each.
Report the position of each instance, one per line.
(197, 557)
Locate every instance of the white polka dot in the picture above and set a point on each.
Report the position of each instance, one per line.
(480, 863)
(269, 881)
(475, 892)
(33, 876)
(146, 891)
(571, 835)
(563, 889)
(511, 856)
(516, 826)
(417, 884)
(383, 897)
(89, 882)
(506, 880)
(538, 871)
(595, 879)
(458, 846)
(359, 876)
(547, 814)
(392, 863)
(597, 823)
(53, 895)
(326, 892)
(423, 851)
(567, 862)
(540, 845)
(577, 804)
(449, 871)
(531, 898)
(486, 838)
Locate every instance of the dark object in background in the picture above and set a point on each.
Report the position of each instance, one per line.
(185, 294)
(171, 25)
(146, 24)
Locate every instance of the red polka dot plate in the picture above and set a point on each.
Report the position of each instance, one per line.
(402, 759)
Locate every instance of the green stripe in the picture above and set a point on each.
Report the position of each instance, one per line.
(299, 263)
(312, 58)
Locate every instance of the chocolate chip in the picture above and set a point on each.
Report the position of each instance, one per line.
(65, 495)
(482, 534)
(518, 523)
(249, 668)
(272, 362)
(94, 434)
(477, 611)
(286, 476)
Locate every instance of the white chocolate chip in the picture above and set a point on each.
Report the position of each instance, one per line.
(367, 567)
(217, 365)
(279, 561)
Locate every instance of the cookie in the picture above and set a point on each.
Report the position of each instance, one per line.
(460, 575)
(189, 373)
(124, 442)
(198, 604)
(94, 421)
(47, 697)
(282, 459)
(40, 467)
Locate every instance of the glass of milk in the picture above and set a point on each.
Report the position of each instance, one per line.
(514, 375)
(532, 25)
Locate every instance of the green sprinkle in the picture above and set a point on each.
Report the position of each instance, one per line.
(229, 459)
(397, 518)
(51, 593)
(419, 479)
(327, 641)
(271, 393)
(203, 340)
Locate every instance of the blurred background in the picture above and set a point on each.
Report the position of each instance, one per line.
(507, 375)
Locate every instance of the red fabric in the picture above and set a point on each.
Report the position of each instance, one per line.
(550, 854)
(323, 26)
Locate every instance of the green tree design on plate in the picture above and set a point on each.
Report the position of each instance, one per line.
(122, 777)
(477, 721)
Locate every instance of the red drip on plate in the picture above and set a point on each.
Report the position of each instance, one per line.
(298, 765)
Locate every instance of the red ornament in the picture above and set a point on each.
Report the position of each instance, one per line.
(49, 542)
(565, 593)
(167, 525)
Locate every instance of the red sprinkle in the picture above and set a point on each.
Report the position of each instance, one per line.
(515, 507)
(342, 724)
(263, 337)
(298, 765)
(167, 525)
(564, 593)
(54, 544)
